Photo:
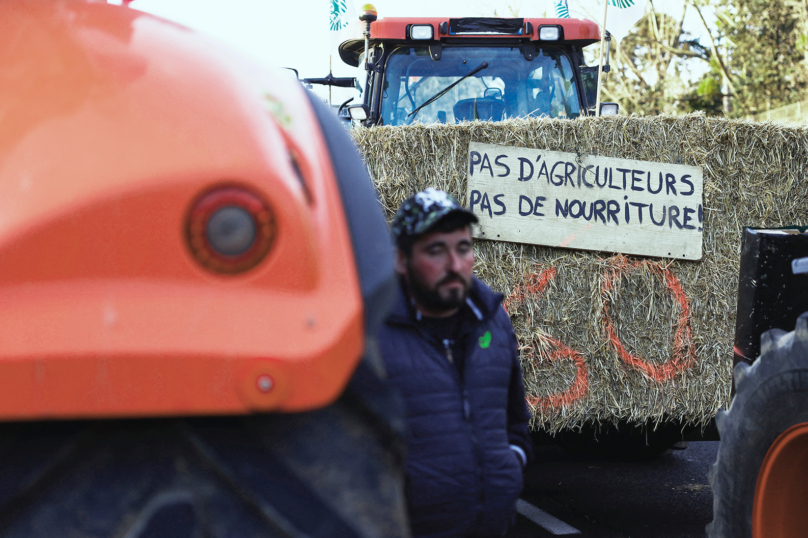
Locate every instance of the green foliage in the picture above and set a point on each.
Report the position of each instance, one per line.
(708, 87)
(755, 55)
(706, 97)
(650, 66)
(769, 57)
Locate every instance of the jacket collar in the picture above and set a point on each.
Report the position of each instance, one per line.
(482, 302)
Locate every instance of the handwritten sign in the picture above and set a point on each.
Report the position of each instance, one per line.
(588, 202)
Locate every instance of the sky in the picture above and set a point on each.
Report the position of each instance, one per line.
(296, 33)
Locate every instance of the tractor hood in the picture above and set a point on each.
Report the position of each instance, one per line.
(117, 126)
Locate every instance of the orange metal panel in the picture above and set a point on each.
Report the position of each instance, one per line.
(781, 492)
(114, 123)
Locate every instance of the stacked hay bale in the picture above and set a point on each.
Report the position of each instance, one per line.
(606, 338)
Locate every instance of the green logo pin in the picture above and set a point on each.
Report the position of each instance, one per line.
(485, 340)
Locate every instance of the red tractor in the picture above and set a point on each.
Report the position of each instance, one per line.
(462, 69)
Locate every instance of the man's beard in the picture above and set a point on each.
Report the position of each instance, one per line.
(431, 299)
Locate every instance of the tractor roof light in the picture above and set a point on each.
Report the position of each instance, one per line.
(549, 33)
(230, 229)
(368, 16)
(368, 13)
(422, 32)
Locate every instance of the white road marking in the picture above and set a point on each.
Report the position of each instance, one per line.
(543, 519)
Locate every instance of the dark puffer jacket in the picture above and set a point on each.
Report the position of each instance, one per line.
(463, 472)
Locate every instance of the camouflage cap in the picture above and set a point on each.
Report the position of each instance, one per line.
(423, 210)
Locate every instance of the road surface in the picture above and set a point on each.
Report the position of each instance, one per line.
(575, 495)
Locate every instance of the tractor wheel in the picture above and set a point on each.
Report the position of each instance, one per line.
(334, 472)
(759, 478)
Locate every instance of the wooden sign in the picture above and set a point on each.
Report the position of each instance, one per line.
(586, 202)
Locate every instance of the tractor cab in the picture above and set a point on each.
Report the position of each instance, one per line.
(452, 70)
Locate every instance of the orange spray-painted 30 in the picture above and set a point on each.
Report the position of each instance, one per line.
(534, 286)
(684, 350)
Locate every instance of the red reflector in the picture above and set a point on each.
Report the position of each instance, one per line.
(230, 229)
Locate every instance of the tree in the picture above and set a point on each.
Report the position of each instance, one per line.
(652, 67)
(768, 64)
(755, 58)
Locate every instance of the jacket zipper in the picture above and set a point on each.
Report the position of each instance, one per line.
(447, 346)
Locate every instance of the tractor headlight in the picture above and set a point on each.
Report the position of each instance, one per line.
(549, 33)
(359, 112)
(609, 109)
(422, 32)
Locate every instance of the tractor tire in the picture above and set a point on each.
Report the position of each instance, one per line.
(333, 472)
(759, 477)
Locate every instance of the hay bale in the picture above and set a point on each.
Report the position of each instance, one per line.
(606, 338)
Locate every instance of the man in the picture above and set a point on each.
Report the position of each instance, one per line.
(450, 349)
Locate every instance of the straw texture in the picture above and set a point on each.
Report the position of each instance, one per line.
(606, 338)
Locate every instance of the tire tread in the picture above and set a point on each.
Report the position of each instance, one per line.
(771, 397)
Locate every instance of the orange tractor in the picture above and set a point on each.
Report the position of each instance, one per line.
(194, 263)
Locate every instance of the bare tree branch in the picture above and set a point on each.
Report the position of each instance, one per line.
(663, 63)
(624, 59)
(627, 95)
(681, 24)
(685, 53)
(653, 20)
(714, 49)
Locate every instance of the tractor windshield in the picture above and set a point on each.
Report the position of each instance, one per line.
(510, 87)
